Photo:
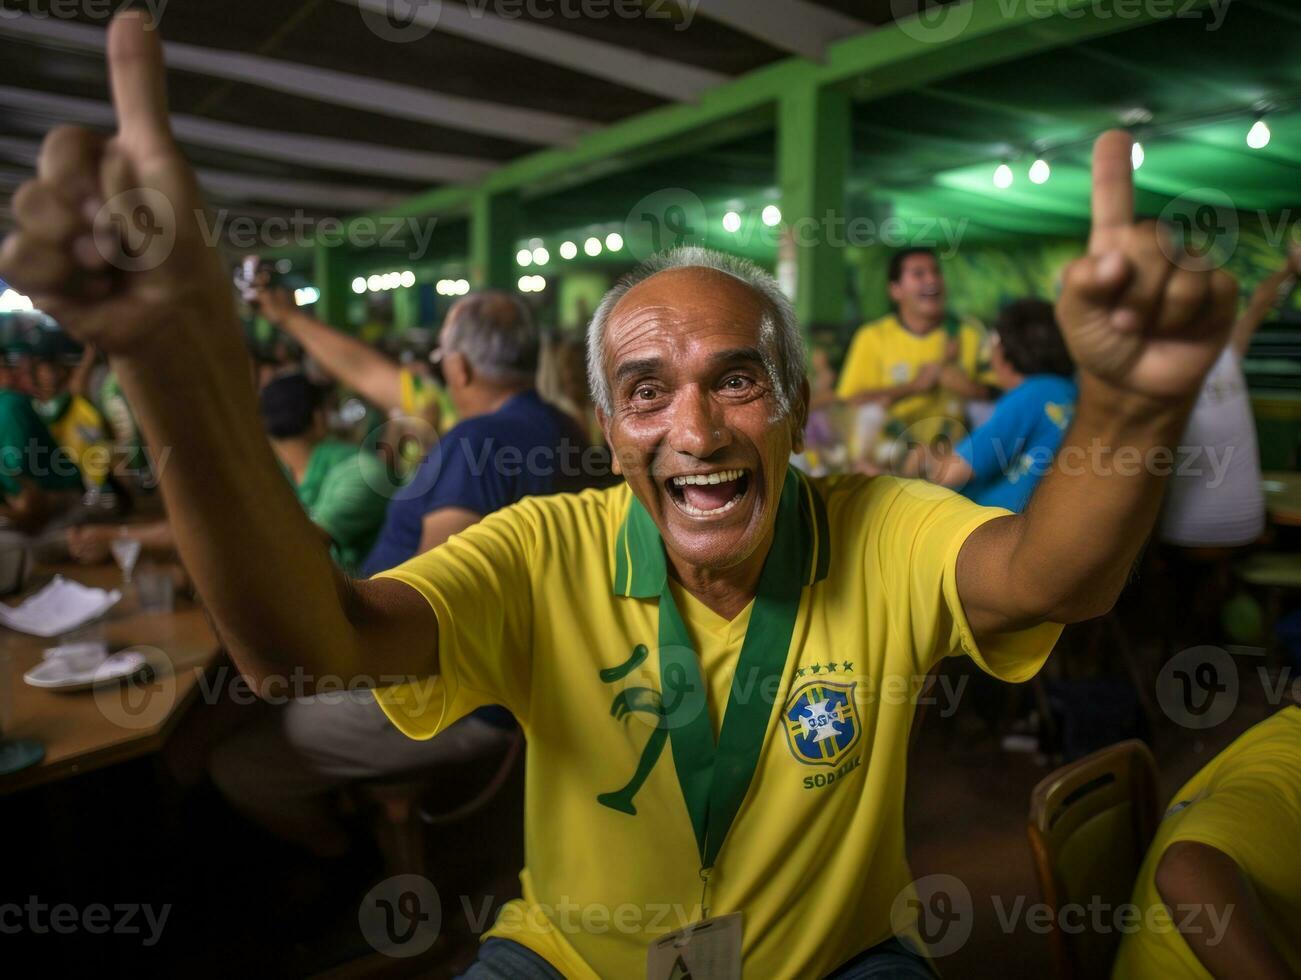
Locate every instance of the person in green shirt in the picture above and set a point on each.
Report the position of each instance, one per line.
(36, 476)
(339, 485)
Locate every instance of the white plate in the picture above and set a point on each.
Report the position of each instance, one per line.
(55, 674)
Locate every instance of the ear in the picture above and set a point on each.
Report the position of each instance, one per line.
(800, 418)
(456, 369)
(895, 292)
(604, 421)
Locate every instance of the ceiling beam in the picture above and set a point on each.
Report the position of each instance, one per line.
(335, 198)
(796, 26)
(314, 151)
(324, 85)
(568, 49)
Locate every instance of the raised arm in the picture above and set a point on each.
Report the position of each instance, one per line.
(1144, 325)
(355, 364)
(1272, 291)
(140, 283)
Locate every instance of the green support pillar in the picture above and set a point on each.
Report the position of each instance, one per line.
(494, 227)
(335, 284)
(813, 142)
(406, 308)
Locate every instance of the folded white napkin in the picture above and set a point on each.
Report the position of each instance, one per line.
(61, 606)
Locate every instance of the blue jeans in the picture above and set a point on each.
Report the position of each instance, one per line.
(502, 959)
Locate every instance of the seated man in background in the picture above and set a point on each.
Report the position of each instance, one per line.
(1220, 890)
(1001, 463)
(509, 443)
(920, 362)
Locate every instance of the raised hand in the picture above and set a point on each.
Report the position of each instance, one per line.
(108, 239)
(1135, 312)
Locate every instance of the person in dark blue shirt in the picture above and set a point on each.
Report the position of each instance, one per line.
(509, 443)
(1002, 461)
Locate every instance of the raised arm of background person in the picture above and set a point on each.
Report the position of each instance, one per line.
(1143, 329)
(355, 364)
(79, 380)
(165, 315)
(1192, 875)
(1273, 289)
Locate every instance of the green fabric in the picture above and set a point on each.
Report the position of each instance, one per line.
(715, 778)
(27, 450)
(339, 493)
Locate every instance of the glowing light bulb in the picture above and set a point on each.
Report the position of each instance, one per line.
(614, 241)
(1259, 134)
(541, 256)
(592, 247)
(524, 257)
(568, 250)
(732, 222)
(359, 285)
(1137, 155)
(1040, 172)
(772, 215)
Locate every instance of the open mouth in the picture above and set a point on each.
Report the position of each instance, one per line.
(708, 494)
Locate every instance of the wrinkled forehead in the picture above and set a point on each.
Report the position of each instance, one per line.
(683, 311)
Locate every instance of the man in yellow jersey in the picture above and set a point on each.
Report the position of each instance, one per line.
(1219, 894)
(713, 662)
(920, 361)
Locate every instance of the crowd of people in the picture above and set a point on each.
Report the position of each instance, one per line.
(754, 523)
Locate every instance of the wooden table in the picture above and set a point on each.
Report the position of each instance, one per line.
(88, 730)
(1283, 497)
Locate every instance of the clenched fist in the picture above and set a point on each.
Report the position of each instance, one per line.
(108, 238)
(1135, 312)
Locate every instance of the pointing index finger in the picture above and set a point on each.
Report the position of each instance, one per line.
(138, 80)
(1113, 188)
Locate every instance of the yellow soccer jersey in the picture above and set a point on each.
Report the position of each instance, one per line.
(81, 431)
(884, 353)
(551, 608)
(422, 397)
(1245, 802)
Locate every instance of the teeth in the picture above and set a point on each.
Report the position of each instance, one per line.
(701, 479)
(697, 512)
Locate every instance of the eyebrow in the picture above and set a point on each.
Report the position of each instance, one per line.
(738, 355)
(642, 365)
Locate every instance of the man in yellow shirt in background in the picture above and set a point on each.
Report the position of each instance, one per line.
(712, 664)
(921, 362)
(1220, 890)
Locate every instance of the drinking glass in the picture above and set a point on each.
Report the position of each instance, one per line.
(126, 551)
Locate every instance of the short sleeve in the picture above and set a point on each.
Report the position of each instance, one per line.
(862, 368)
(921, 532)
(1249, 796)
(998, 443)
(480, 590)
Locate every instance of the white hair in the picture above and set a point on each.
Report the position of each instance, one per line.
(780, 342)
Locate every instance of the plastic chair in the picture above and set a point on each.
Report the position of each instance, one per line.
(1090, 826)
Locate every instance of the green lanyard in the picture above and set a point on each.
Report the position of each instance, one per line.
(715, 779)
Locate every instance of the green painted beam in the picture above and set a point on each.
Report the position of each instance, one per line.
(494, 226)
(332, 277)
(946, 41)
(813, 138)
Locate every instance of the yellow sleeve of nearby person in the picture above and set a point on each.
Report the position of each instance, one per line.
(919, 529)
(1245, 803)
(478, 584)
(419, 393)
(862, 370)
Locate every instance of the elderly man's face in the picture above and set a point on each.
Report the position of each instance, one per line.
(694, 427)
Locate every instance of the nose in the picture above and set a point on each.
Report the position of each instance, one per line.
(696, 426)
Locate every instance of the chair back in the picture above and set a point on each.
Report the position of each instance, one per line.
(1090, 826)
